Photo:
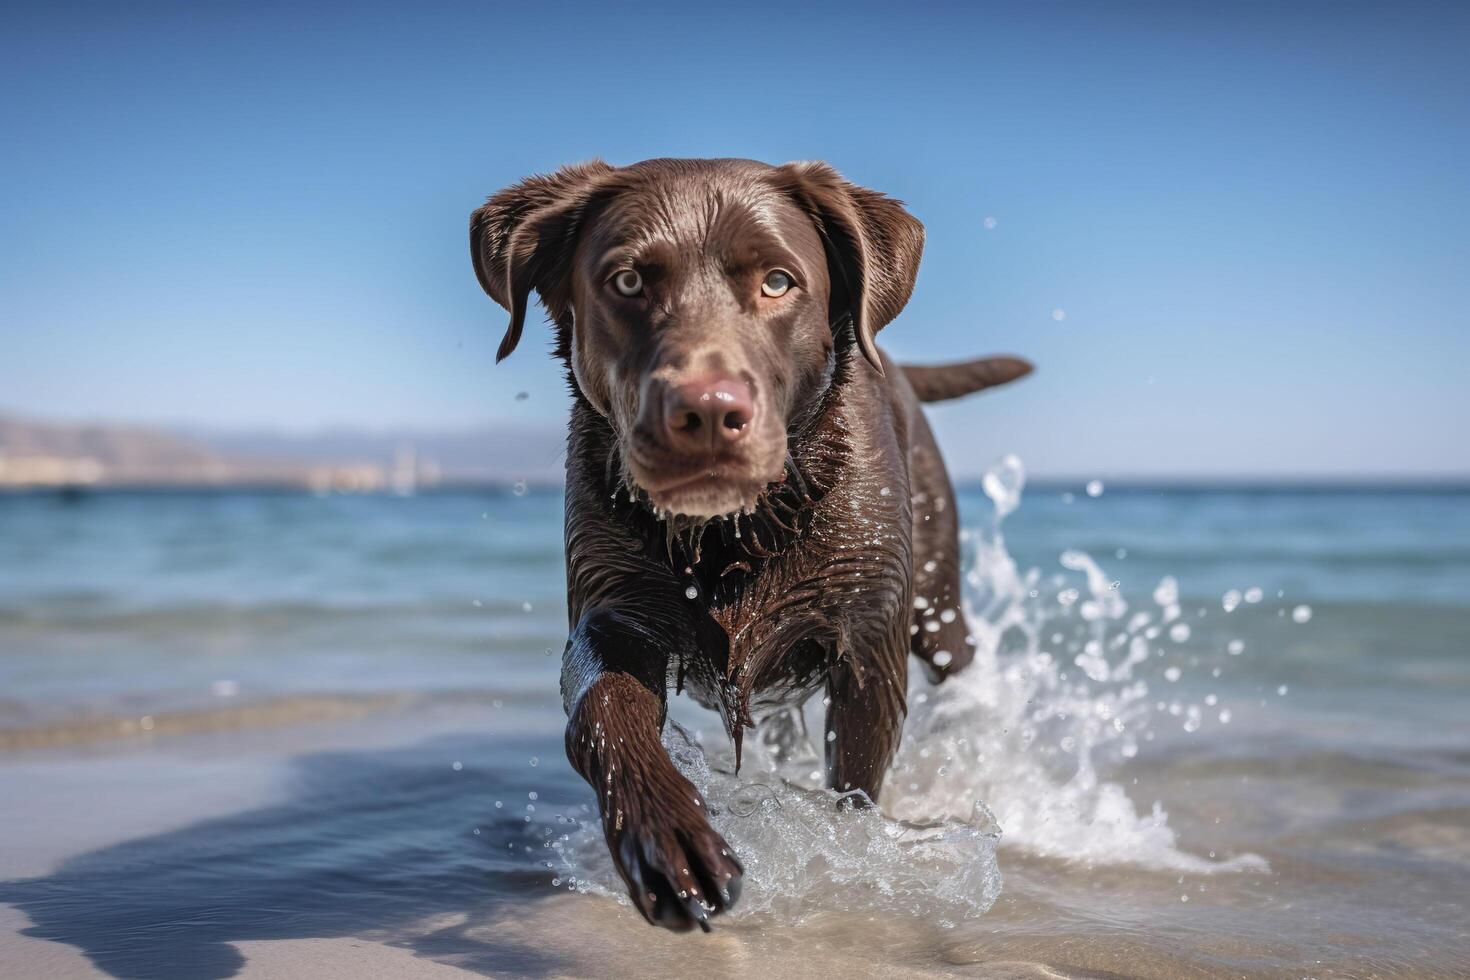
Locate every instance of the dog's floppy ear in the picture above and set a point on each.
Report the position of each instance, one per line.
(522, 240)
(873, 248)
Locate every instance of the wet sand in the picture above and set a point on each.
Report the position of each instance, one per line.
(354, 848)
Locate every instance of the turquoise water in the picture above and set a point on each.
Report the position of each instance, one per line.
(1308, 749)
(145, 600)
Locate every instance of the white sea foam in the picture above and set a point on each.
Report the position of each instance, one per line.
(1007, 752)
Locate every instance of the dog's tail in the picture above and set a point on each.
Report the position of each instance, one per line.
(940, 382)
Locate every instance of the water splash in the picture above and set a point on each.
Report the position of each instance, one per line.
(1003, 484)
(1007, 752)
(1024, 731)
(804, 853)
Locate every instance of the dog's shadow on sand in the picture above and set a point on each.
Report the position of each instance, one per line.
(375, 843)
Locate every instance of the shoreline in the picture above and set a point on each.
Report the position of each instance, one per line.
(97, 822)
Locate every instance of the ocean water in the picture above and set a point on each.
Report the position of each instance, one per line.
(1211, 732)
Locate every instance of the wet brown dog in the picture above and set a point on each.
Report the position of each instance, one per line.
(755, 504)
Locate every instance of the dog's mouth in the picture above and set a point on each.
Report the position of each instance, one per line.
(708, 491)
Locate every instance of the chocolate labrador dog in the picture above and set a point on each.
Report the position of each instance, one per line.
(755, 506)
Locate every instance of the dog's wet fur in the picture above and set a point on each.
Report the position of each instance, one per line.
(755, 505)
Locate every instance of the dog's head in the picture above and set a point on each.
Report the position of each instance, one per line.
(701, 304)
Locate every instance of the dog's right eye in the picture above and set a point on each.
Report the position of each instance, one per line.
(628, 282)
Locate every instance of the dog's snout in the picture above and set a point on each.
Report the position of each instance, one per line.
(708, 413)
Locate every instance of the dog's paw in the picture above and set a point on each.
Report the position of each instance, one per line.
(680, 872)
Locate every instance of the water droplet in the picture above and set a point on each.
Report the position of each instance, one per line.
(1059, 314)
(1301, 613)
(1179, 632)
(1253, 594)
(526, 607)
(1004, 482)
(1094, 488)
(990, 222)
(691, 593)
(520, 488)
(457, 766)
(1235, 647)
(1230, 600)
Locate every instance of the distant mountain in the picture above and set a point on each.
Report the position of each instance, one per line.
(46, 453)
(488, 454)
(49, 453)
(111, 445)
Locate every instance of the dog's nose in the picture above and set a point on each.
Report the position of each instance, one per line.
(708, 413)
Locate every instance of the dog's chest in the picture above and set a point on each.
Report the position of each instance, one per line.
(832, 595)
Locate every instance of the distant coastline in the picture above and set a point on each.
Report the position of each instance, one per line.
(1366, 486)
(38, 455)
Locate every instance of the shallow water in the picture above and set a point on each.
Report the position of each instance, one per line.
(234, 717)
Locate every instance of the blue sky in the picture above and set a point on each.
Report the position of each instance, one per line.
(1255, 216)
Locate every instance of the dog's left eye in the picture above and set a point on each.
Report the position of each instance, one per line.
(628, 282)
(776, 284)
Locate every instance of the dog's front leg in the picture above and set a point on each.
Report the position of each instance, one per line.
(865, 712)
(678, 870)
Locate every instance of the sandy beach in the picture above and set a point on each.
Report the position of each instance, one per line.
(123, 825)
